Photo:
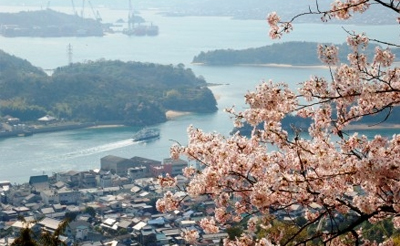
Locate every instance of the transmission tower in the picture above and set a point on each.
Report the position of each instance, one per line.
(69, 52)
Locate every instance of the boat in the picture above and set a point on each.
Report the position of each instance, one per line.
(146, 134)
(141, 30)
(152, 30)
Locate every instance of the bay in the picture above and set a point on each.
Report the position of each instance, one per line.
(180, 39)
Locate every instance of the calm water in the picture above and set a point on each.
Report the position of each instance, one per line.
(179, 40)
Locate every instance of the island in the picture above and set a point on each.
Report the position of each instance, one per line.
(47, 23)
(103, 92)
(295, 53)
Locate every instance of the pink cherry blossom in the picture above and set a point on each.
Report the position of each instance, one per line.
(190, 236)
(324, 172)
(328, 54)
(209, 225)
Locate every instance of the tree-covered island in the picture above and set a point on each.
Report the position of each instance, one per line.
(132, 93)
(47, 23)
(295, 53)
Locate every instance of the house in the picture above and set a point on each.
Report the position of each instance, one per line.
(62, 196)
(78, 229)
(8, 215)
(88, 179)
(47, 211)
(125, 224)
(109, 224)
(68, 196)
(47, 119)
(49, 197)
(18, 225)
(31, 198)
(17, 193)
(39, 183)
(58, 207)
(48, 224)
(21, 211)
(72, 178)
(147, 236)
(136, 172)
(106, 180)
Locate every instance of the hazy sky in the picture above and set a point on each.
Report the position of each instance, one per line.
(243, 9)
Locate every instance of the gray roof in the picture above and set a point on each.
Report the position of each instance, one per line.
(38, 179)
(47, 210)
(113, 158)
(125, 223)
(50, 223)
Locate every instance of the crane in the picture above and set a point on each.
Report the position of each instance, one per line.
(131, 20)
(96, 14)
(83, 9)
(73, 7)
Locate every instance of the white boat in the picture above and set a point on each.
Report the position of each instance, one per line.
(146, 134)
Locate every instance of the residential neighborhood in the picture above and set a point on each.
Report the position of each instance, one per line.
(113, 205)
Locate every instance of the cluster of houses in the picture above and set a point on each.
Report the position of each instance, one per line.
(113, 205)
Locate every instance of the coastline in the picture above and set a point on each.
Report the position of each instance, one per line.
(105, 126)
(356, 127)
(65, 126)
(277, 65)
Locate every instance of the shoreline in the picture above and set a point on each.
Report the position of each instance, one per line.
(357, 127)
(277, 65)
(35, 129)
(99, 126)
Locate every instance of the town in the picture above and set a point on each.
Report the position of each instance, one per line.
(113, 205)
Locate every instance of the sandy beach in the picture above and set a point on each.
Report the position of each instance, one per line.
(172, 114)
(106, 126)
(270, 65)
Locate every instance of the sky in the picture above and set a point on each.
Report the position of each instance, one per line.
(241, 9)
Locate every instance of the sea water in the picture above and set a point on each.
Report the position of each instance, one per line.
(179, 40)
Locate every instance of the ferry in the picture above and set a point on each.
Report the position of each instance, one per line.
(146, 134)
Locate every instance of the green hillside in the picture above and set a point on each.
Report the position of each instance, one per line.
(131, 92)
(294, 53)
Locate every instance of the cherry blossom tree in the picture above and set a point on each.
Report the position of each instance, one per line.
(336, 181)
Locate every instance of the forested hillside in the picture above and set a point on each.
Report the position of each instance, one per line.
(294, 53)
(47, 23)
(131, 92)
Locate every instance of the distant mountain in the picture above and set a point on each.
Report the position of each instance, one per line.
(131, 92)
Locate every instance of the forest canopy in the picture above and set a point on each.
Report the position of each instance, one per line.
(131, 92)
(293, 53)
